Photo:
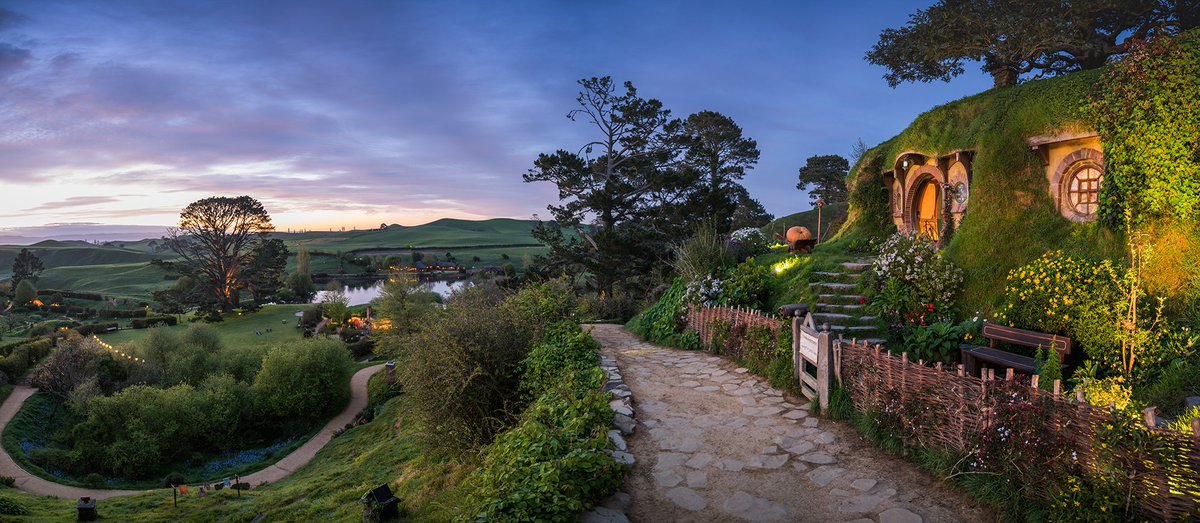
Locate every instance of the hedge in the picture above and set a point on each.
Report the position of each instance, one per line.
(87, 296)
(117, 313)
(95, 328)
(152, 321)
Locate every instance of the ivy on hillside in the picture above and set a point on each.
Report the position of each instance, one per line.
(1147, 108)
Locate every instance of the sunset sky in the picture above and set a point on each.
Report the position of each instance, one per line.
(356, 113)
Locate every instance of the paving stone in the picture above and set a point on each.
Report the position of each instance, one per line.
(825, 438)
(899, 515)
(707, 388)
(741, 370)
(803, 447)
(667, 478)
(700, 460)
(697, 479)
(839, 492)
(769, 450)
(731, 465)
(747, 401)
(691, 445)
(774, 461)
(779, 430)
(825, 475)
(720, 373)
(863, 484)
(765, 422)
(800, 467)
(721, 379)
(745, 391)
(861, 520)
(858, 504)
(810, 422)
(689, 384)
(819, 458)
(750, 508)
(795, 414)
(687, 499)
(738, 423)
(772, 401)
(615, 437)
(730, 387)
(603, 515)
(650, 423)
(669, 460)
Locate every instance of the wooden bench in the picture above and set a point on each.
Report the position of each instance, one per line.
(973, 355)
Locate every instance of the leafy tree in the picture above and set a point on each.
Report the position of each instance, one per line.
(303, 260)
(24, 292)
(74, 362)
(264, 268)
(27, 266)
(611, 181)
(1014, 37)
(305, 380)
(214, 238)
(716, 155)
(827, 176)
(749, 213)
(301, 286)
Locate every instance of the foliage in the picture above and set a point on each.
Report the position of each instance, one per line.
(1112, 391)
(715, 157)
(215, 238)
(664, 320)
(1012, 38)
(26, 266)
(24, 292)
(747, 242)
(704, 254)
(827, 176)
(301, 286)
(1145, 107)
(565, 349)
(265, 269)
(748, 285)
(749, 213)
(461, 370)
(1049, 368)
(620, 306)
(303, 380)
(937, 342)
(551, 465)
(405, 304)
(915, 285)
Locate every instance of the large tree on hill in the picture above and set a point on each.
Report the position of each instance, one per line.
(1011, 38)
(214, 238)
(26, 266)
(749, 213)
(827, 176)
(609, 188)
(716, 156)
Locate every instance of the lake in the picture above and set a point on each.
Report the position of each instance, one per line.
(363, 292)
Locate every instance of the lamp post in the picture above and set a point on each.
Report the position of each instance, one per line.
(820, 203)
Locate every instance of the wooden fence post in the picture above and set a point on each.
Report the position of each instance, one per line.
(1148, 415)
(1033, 381)
(1057, 386)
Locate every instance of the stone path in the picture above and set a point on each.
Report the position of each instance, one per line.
(275, 472)
(715, 443)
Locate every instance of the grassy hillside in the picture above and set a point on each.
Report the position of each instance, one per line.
(236, 330)
(440, 234)
(1011, 219)
(121, 280)
(61, 254)
(832, 217)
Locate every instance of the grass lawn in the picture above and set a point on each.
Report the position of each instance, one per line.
(134, 281)
(327, 489)
(236, 329)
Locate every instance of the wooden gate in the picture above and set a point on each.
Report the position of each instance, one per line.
(811, 356)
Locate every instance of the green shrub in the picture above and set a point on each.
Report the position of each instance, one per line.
(748, 285)
(706, 253)
(566, 349)
(9, 507)
(54, 460)
(937, 342)
(173, 479)
(380, 392)
(93, 480)
(152, 321)
(664, 319)
(7, 481)
(303, 380)
(95, 328)
(914, 283)
(552, 464)
(618, 306)
(135, 431)
(543, 304)
(461, 369)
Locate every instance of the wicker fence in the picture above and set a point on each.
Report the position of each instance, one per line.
(700, 320)
(943, 408)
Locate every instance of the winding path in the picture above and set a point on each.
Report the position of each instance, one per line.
(275, 472)
(716, 443)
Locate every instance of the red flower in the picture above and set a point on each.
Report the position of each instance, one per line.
(862, 299)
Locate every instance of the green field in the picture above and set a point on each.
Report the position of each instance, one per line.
(122, 270)
(832, 217)
(237, 329)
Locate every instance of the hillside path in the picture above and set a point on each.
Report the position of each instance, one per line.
(275, 472)
(716, 443)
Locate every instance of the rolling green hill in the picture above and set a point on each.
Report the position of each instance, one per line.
(832, 218)
(441, 234)
(74, 253)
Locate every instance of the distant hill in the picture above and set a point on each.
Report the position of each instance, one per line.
(56, 254)
(832, 218)
(447, 233)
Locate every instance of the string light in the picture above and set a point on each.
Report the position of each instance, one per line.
(113, 350)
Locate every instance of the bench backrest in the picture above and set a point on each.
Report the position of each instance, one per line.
(994, 332)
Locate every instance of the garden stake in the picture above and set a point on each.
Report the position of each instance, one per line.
(1008, 376)
(1148, 413)
(1057, 385)
(1079, 396)
(1033, 381)
(1196, 429)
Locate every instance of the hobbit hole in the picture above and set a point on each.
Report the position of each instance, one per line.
(929, 194)
(1075, 170)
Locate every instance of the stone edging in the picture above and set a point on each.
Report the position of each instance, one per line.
(612, 510)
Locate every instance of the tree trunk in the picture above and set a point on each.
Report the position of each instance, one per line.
(1003, 76)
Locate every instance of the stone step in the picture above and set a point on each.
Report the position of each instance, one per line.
(858, 267)
(835, 287)
(852, 299)
(869, 341)
(834, 318)
(854, 330)
(844, 308)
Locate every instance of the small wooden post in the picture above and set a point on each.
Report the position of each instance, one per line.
(1057, 386)
(938, 367)
(1079, 396)
(1196, 429)
(961, 372)
(175, 495)
(1148, 414)
(1033, 381)
(1008, 375)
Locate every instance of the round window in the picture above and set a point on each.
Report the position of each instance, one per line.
(1081, 190)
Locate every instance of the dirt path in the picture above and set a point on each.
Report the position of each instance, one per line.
(296, 459)
(715, 443)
